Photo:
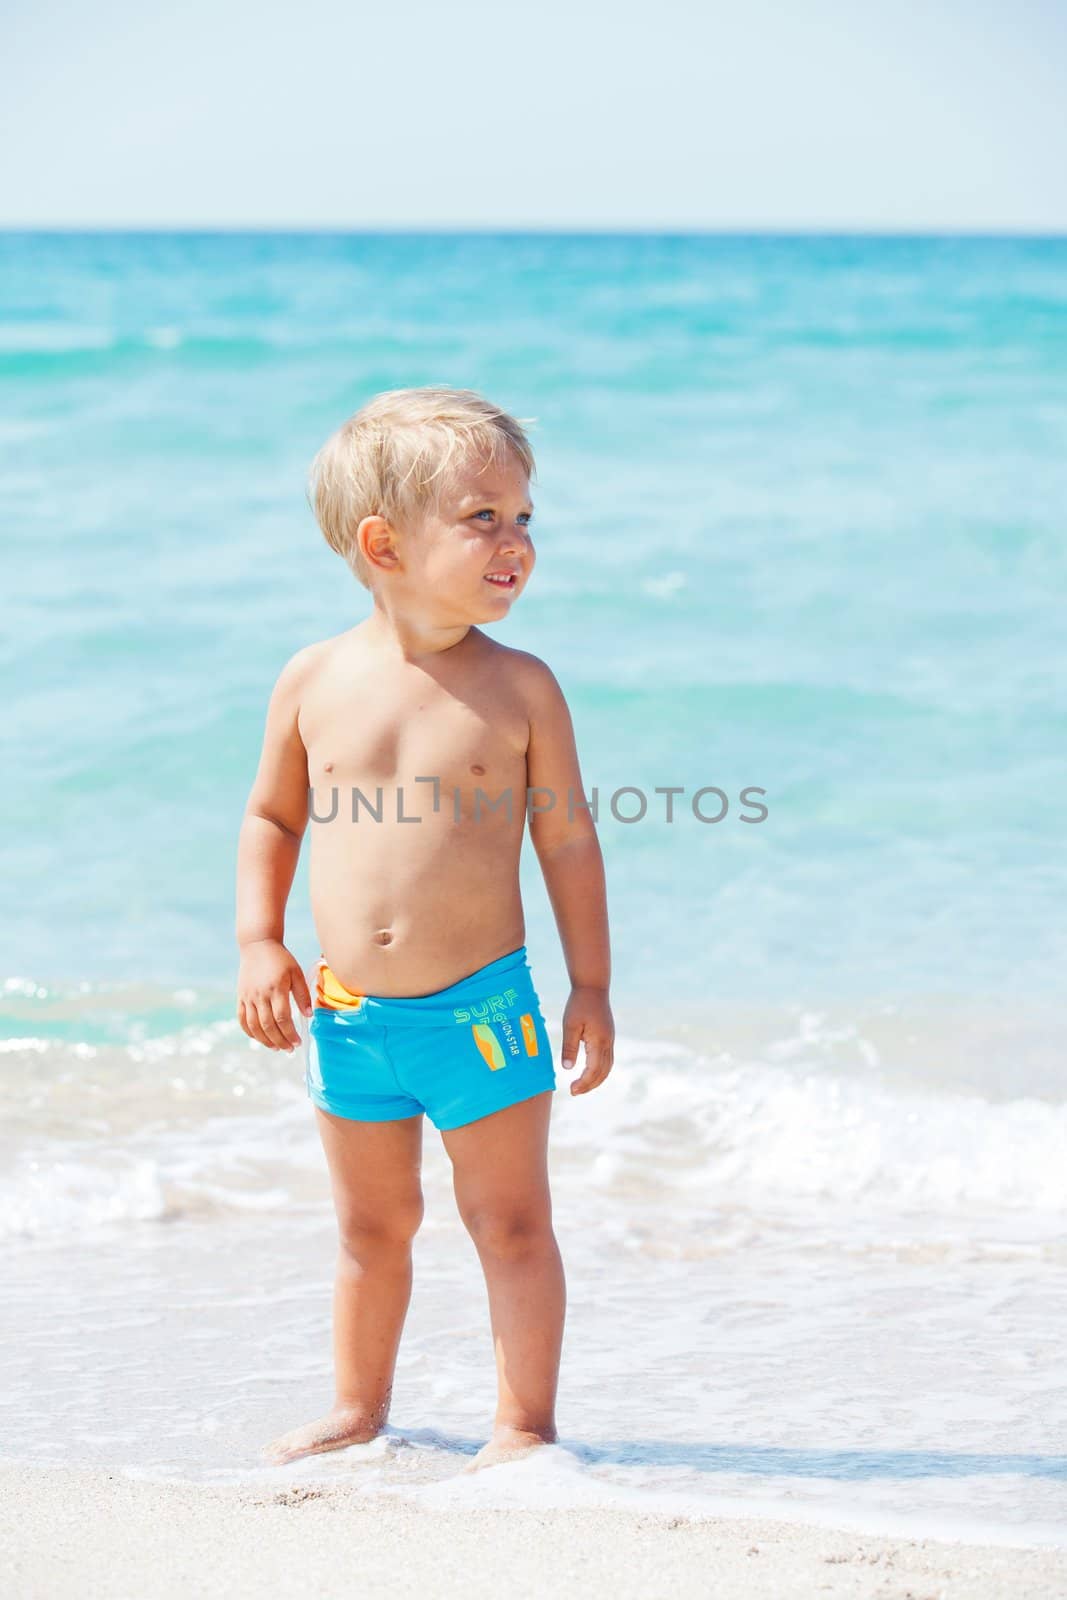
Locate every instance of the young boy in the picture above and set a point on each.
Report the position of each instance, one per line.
(417, 745)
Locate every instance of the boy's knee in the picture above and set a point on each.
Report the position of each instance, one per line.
(508, 1231)
(363, 1233)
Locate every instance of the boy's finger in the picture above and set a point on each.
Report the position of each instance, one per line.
(596, 1067)
(254, 1029)
(572, 1038)
(246, 1016)
(283, 1016)
(272, 1038)
(301, 992)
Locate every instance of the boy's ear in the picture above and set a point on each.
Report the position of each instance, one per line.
(377, 542)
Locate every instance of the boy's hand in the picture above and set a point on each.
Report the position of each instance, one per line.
(268, 975)
(587, 1019)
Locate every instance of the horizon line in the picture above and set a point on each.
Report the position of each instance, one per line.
(629, 230)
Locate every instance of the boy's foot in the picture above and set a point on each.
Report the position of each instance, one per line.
(343, 1426)
(507, 1444)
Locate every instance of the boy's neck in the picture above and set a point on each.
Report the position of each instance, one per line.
(411, 637)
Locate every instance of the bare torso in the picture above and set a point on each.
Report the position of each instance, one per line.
(407, 907)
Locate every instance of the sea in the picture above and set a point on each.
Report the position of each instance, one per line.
(801, 524)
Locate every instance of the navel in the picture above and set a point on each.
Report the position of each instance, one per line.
(477, 769)
(383, 936)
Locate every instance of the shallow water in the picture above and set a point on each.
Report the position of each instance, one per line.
(789, 1288)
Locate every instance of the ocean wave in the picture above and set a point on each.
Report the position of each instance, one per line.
(761, 1133)
(52, 338)
(199, 1122)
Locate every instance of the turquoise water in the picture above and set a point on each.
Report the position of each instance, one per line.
(800, 523)
(800, 526)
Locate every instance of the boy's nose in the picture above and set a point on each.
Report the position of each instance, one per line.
(516, 539)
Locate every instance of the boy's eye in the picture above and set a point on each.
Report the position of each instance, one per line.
(524, 516)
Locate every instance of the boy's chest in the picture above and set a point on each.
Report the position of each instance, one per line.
(397, 737)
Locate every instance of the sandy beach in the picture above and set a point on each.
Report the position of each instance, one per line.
(77, 1532)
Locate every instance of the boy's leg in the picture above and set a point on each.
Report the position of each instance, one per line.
(375, 1170)
(500, 1177)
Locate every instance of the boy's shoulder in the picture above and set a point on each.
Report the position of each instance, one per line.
(529, 676)
(305, 664)
(527, 671)
(304, 661)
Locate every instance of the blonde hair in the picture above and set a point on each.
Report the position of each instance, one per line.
(396, 456)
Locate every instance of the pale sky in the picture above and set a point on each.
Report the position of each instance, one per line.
(686, 114)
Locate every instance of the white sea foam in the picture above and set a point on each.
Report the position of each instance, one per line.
(64, 1196)
(199, 1121)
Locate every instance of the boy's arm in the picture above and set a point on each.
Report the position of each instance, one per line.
(565, 839)
(268, 849)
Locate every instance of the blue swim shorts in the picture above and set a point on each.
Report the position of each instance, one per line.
(458, 1054)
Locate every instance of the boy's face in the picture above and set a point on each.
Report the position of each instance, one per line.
(475, 554)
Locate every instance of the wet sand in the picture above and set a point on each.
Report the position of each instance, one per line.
(86, 1532)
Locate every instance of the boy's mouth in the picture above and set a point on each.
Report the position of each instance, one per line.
(502, 580)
